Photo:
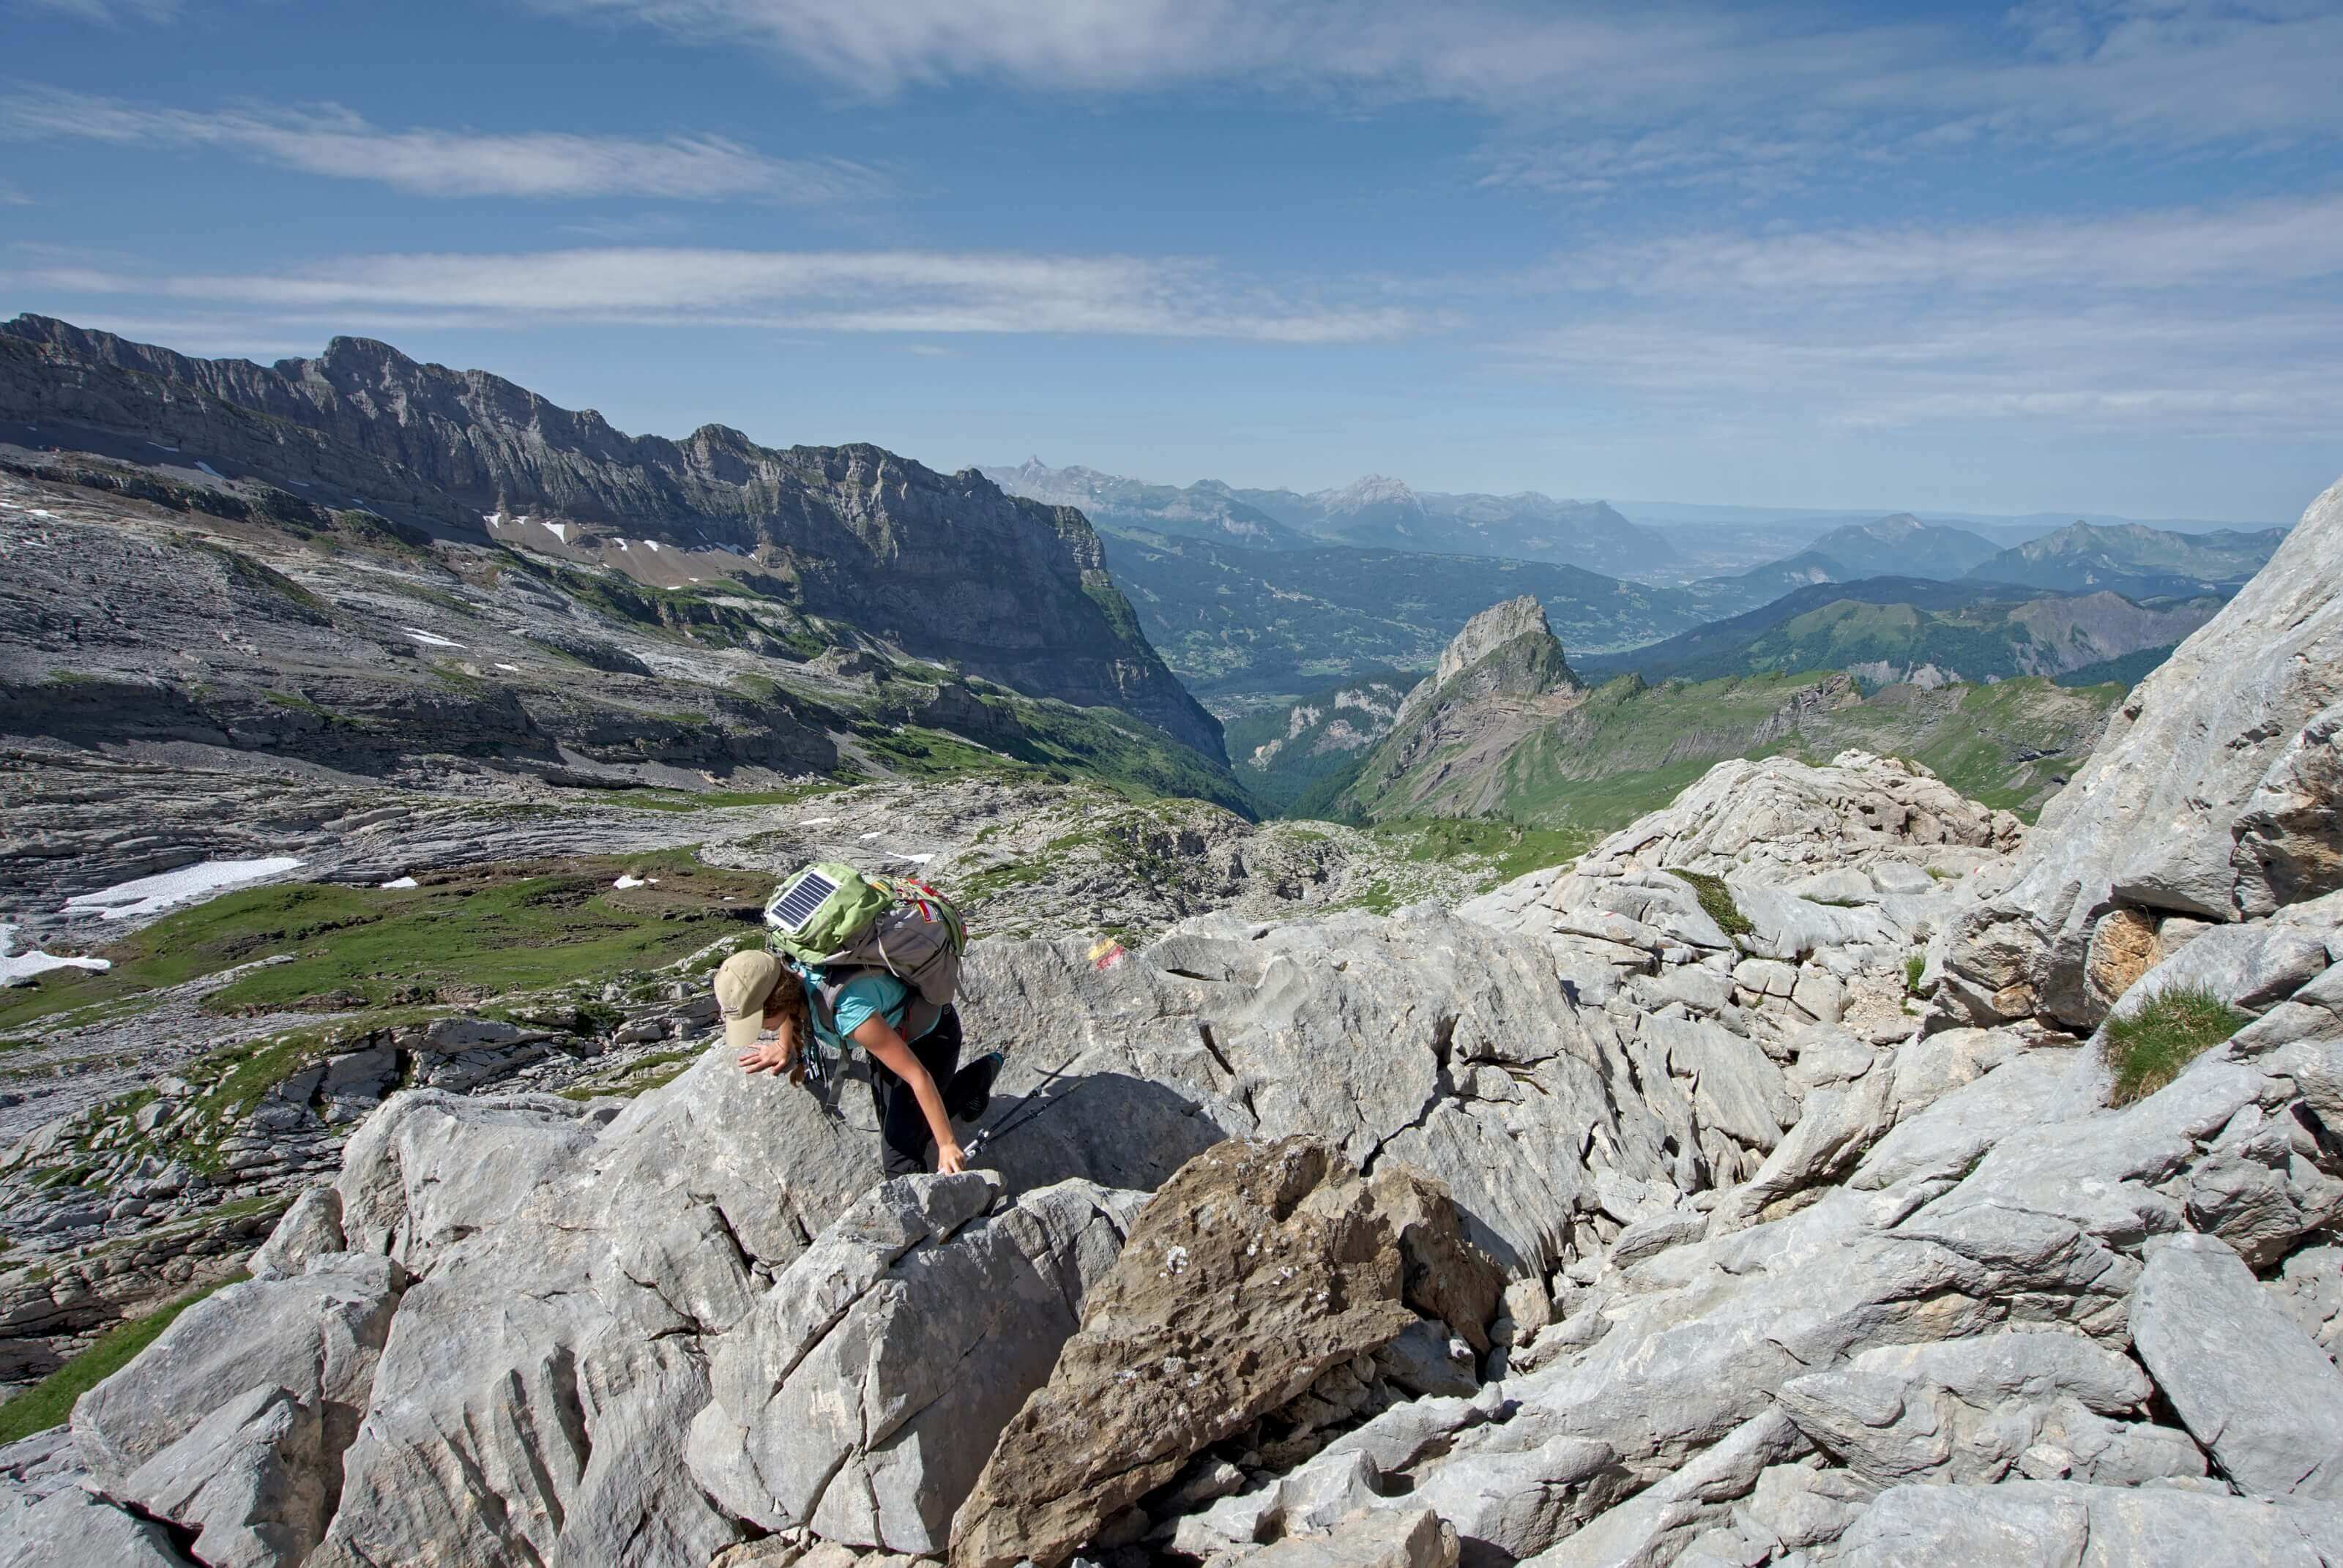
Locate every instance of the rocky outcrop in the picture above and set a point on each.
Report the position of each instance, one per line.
(1253, 1271)
(936, 1318)
(1499, 678)
(2211, 798)
(1775, 820)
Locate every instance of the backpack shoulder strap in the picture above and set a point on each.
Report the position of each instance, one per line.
(832, 984)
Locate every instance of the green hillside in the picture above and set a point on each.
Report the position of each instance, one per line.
(1628, 749)
(1281, 753)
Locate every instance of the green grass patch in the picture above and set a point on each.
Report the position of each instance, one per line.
(1915, 966)
(2149, 1049)
(1511, 849)
(656, 1070)
(49, 1401)
(685, 800)
(1716, 901)
(462, 938)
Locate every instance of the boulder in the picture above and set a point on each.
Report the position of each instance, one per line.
(250, 1481)
(2253, 1388)
(1774, 821)
(310, 1228)
(1256, 1268)
(1418, 1539)
(317, 1336)
(2212, 794)
(861, 1393)
(71, 1529)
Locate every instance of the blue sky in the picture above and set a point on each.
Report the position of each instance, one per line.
(2081, 256)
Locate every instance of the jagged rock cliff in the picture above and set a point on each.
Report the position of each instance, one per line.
(1501, 677)
(2212, 799)
(946, 566)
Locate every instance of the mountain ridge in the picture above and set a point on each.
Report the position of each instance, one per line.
(947, 566)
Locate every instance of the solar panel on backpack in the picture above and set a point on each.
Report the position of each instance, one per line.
(799, 901)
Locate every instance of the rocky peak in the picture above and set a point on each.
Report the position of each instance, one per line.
(1372, 490)
(1494, 628)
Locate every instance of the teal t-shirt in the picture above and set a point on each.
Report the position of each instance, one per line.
(862, 998)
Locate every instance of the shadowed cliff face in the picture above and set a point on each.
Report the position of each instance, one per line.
(947, 566)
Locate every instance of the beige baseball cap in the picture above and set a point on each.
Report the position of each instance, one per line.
(743, 983)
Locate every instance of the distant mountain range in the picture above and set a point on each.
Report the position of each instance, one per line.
(1889, 629)
(2130, 559)
(1233, 621)
(733, 563)
(2135, 561)
(1374, 512)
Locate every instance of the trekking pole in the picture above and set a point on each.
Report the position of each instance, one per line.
(1034, 1108)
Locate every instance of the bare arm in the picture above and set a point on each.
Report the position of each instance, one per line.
(887, 1049)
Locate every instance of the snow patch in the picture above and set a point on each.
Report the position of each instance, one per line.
(915, 859)
(401, 882)
(635, 882)
(430, 639)
(18, 969)
(207, 469)
(559, 530)
(514, 667)
(816, 821)
(152, 895)
(650, 545)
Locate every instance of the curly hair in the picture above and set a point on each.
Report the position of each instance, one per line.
(789, 1000)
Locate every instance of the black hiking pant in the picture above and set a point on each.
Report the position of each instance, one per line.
(902, 1125)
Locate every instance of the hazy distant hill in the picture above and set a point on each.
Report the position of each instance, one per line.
(1233, 620)
(1206, 511)
(1886, 629)
(1899, 546)
(1374, 512)
(2135, 561)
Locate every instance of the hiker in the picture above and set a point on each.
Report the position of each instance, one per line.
(875, 964)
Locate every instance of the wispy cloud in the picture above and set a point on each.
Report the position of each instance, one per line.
(112, 13)
(332, 141)
(923, 291)
(1604, 96)
(2194, 320)
(2276, 241)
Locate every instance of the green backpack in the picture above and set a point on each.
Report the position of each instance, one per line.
(835, 923)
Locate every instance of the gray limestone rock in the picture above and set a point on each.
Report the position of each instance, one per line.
(252, 1480)
(1659, 1522)
(2061, 1525)
(1774, 821)
(1976, 1409)
(863, 1392)
(311, 1228)
(2255, 1389)
(1427, 1360)
(317, 1335)
(72, 1529)
(2170, 814)
(1418, 1539)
